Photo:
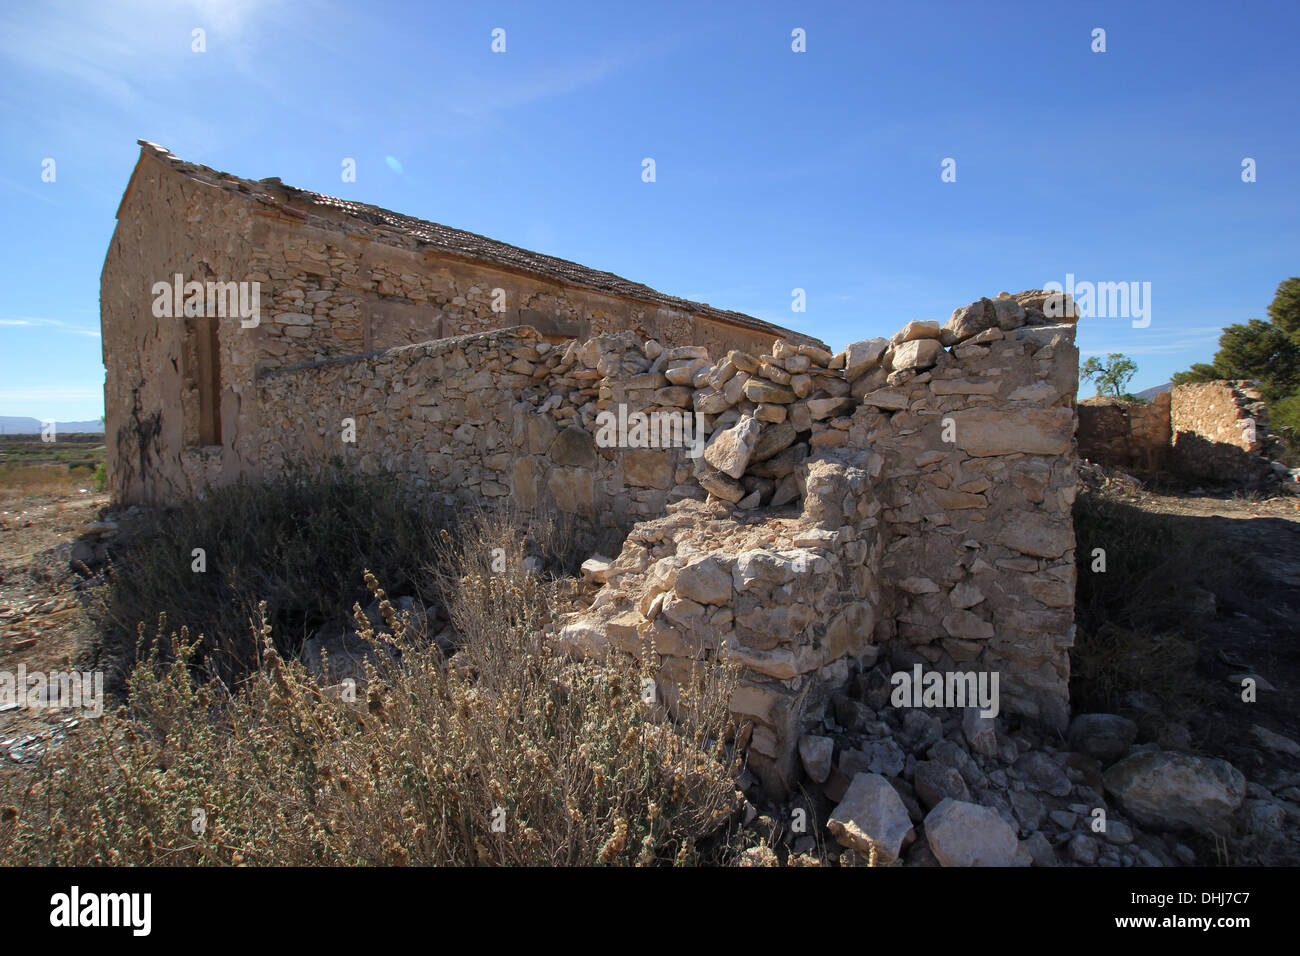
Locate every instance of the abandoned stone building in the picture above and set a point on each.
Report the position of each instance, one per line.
(906, 498)
(329, 278)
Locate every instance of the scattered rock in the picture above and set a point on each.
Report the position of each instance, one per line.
(1275, 741)
(816, 754)
(1105, 737)
(1042, 773)
(966, 834)
(871, 815)
(980, 732)
(1171, 790)
(934, 782)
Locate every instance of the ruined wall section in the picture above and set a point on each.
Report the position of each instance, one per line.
(910, 495)
(978, 484)
(1135, 437)
(1215, 432)
(792, 598)
(1220, 434)
(488, 417)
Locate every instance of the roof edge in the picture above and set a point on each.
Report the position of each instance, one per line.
(390, 224)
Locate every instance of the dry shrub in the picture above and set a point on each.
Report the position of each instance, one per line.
(298, 542)
(506, 753)
(1133, 629)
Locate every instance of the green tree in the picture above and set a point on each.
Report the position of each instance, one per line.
(1269, 354)
(1266, 352)
(1263, 352)
(1112, 375)
(1200, 372)
(1285, 308)
(1257, 350)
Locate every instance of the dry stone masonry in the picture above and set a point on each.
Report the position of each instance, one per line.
(1126, 435)
(908, 496)
(1219, 432)
(492, 417)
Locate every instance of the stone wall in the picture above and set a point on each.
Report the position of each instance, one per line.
(488, 417)
(1127, 435)
(909, 496)
(1215, 432)
(1220, 434)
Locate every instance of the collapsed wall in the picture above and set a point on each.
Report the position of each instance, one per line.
(901, 497)
(908, 496)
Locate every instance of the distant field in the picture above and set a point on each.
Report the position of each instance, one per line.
(31, 465)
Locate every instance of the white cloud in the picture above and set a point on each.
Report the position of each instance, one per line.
(46, 393)
(55, 324)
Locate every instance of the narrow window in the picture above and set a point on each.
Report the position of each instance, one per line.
(209, 369)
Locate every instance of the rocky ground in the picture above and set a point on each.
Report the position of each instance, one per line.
(1218, 786)
(941, 787)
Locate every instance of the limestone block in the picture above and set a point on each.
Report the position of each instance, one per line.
(862, 357)
(730, 449)
(985, 432)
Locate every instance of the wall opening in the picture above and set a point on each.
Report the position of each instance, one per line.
(207, 352)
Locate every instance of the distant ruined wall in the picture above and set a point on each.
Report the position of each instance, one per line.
(1126, 435)
(1207, 431)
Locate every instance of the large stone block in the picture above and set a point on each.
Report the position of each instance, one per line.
(915, 355)
(573, 490)
(965, 834)
(985, 432)
(871, 816)
(862, 357)
(1173, 791)
(729, 451)
(648, 468)
(573, 447)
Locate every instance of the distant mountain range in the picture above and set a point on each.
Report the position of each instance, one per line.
(1153, 391)
(17, 425)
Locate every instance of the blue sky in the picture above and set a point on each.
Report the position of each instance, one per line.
(775, 170)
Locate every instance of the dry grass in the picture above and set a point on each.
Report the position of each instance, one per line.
(52, 479)
(1134, 631)
(504, 753)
